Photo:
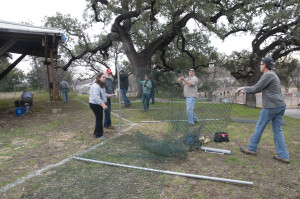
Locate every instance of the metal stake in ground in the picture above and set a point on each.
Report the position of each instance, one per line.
(166, 172)
(119, 92)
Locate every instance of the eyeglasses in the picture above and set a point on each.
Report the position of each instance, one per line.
(192, 70)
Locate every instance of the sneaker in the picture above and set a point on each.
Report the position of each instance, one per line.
(246, 151)
(286, 161)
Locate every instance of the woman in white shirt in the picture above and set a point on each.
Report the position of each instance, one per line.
(97, 100)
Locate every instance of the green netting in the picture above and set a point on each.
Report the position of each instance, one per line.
(163, 133)
(77, 179)
(170, 107)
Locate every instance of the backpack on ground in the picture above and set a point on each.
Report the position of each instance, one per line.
(221, 137)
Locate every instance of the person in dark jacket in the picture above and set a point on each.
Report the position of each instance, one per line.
(272, 110)
(124, 87)
(152, 89)
(109, 87)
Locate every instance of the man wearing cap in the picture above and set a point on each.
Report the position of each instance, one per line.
(273, 110)
(124, 87)
(190, 87)
(109, 87)
(64, 87)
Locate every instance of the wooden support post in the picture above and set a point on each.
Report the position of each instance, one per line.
(53, 81)
(7, 46)
(48, 76)
(8, 69)
(46, 61)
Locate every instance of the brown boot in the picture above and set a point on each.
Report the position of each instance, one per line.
(110, 127)
(286, 161)
(246, 151)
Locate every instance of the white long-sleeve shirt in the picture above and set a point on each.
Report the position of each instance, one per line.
(97, 94)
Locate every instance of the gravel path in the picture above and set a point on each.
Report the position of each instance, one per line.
(293, 113)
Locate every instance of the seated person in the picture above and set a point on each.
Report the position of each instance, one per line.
(27, 97)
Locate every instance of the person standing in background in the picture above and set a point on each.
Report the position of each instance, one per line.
(64, 87)
(147, 86)
(124, 87)
(109, 87)
(152, 89)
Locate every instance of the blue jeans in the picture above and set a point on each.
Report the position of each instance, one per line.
(65, 94)
(145, 97)
(190, 104)
(275, 116)
(125, 99)
(152, 96)
(107, 120)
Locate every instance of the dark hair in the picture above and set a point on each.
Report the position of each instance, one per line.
(101, 84)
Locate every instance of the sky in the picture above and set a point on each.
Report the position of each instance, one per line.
(34, 11)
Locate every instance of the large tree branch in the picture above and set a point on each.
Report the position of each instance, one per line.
(223, 12)
(162, 58)
(235, 31)
(165, 39)
(282, 52)
(186, 51)
(94, 7)
(264, 33)
(102, 48)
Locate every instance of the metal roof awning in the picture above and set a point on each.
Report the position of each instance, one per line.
(29, 40)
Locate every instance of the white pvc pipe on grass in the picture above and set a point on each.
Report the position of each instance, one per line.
(177, 120)
(214, 150)
(166, 172)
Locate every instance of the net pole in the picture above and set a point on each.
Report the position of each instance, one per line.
(166, 172)
(119, 90)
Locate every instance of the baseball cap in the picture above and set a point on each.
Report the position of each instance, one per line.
(108, 71)
(269, 62)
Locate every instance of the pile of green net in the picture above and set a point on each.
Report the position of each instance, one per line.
(213, 115)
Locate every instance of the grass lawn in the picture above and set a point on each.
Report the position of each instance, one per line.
(34, 141)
